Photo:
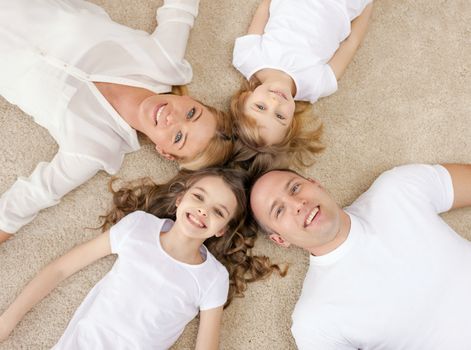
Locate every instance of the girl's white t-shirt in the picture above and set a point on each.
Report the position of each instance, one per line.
(148, 297)
(300, 37)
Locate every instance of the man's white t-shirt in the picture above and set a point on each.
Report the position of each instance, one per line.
(299, 39)
(148, 297)
(401, 280)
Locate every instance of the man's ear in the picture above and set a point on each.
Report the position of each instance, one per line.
(164, 154)
(275, 237)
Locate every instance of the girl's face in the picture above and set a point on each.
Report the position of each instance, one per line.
(179, 126)
(206, 208)
(272, 107)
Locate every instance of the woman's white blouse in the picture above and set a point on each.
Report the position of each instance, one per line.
(51, 52)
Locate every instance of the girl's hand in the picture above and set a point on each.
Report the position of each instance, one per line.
(5, 328)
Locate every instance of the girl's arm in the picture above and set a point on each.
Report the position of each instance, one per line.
(260, 18)
(344, 54)
(208, 331)
(50, 276)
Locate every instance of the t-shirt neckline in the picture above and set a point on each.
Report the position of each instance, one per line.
(335, 255)
(167, 225)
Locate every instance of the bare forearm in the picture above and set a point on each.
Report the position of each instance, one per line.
(38, 288)
(208, 331)
(461, 178)
(210, 343)
(347, 49)
(260, 18)
(359, 26)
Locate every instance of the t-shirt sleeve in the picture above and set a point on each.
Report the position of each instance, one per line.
(122, 229)
(244, 54)
(431, 184)
(44, 188)
(175, 20)
(314, 82)
(216, 295)
(328, 81)
(307, 339)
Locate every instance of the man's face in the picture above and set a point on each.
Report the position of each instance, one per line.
(179, 126)
(297, 210)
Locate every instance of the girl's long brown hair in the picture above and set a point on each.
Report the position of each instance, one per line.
(233, 249)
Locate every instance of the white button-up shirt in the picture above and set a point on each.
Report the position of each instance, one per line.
(51, 52)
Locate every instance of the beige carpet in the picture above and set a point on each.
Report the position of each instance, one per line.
(405, 98)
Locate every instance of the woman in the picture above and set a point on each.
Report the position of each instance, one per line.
(93, 83)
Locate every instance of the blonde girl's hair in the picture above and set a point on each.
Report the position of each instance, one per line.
(299, 145)
(233, 249)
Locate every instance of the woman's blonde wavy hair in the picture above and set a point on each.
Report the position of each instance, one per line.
(299, 145)
(233, 249)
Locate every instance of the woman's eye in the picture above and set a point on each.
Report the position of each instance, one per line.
(260, 107)
(198, 196)
(279, 116)
(278, 211)
(295, 188)
(219, 213)
(178, 137)
(191, 113)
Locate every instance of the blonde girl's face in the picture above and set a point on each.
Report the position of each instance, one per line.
(206, 208)
(272, 107)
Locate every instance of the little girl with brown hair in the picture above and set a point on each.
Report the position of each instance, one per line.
(180, 251)
(294, 51)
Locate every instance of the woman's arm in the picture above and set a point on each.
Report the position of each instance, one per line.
(260, 18)
(208, 331)
(44, 188)
(4, 236)
(344, 54)
(50, 276)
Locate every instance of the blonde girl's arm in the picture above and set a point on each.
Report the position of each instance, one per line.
(344, 54)
(50, 276)
(208, 331)
(260, 18)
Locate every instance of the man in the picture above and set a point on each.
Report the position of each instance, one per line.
(386, 272)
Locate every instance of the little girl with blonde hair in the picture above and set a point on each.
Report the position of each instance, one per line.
(294, 51)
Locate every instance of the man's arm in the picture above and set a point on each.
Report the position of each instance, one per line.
(461, 178)
(260, 18)
(344, 54)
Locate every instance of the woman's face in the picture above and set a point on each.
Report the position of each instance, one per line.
(179, 126)
(206, 208)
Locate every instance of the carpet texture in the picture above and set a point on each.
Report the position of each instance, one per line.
(405, 98)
